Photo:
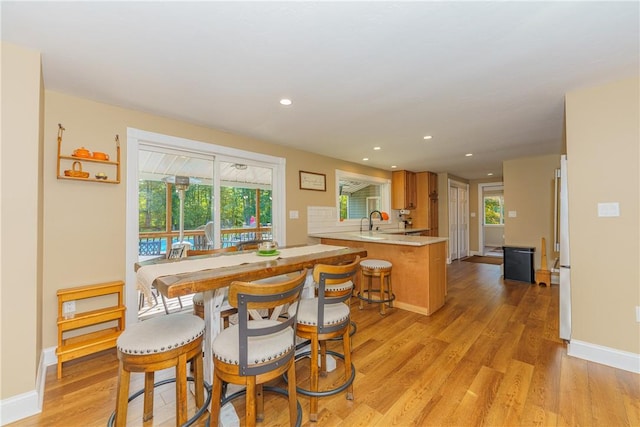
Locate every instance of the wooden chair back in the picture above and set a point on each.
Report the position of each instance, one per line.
(328, 275)
(254, 299)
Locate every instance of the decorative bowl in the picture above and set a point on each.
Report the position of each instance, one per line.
(81, 152)
(100, 156)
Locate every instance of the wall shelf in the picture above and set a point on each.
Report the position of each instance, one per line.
(68, 160)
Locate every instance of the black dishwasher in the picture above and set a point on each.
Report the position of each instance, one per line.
(518, 263)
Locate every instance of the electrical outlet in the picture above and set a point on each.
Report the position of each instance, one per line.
(68, 307)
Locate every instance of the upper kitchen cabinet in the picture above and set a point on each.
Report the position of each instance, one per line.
(404, 193)
(433, 185)
(426, 213)
(433, 204)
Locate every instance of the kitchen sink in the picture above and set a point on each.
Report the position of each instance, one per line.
(370, 237)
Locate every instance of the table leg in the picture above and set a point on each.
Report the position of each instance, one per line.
(212, 307)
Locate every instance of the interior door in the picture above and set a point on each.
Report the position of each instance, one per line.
(463, 222)
(453, 223)
(458, 220)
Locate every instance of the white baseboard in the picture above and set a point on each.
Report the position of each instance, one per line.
(605, 355)
(30, 403)
(18, 407)
(49, 356)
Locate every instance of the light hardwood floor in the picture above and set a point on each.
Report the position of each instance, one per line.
(491, 356)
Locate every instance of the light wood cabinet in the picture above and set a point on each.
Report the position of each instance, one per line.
(102, 319)
(426, 213)
(437, 275)
(403, 190)
(433, 204)
(419, 275)
(433, 185)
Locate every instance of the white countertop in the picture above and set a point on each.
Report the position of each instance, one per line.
(381, 237)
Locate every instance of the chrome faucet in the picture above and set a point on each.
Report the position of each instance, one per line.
(362, 219)
(371, 220)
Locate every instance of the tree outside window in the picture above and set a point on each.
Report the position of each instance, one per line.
(344, 207)
(493, 210)
(238, 207)
(152, 196)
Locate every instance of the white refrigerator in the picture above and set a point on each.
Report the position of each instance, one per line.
(562, 246)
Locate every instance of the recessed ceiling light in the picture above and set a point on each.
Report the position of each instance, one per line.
(376, 148)
(428, 137)
(490, 174)
(468, 154)
(365, 159)
(394, 166)
(285, 101)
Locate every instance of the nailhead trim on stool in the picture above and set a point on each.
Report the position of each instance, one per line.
(156, 344)
(160, 334)
(381, 269)
(375, 264)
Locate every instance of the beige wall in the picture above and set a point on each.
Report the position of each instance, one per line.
(529, 191)
(21, 209)
(85, 221)
(603, 134)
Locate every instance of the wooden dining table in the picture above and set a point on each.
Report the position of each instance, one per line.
(212, 274)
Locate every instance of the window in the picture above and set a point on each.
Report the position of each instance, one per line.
(153, 204)
(169, 213)
(494, 210)
(246, 201)
(358, 195)
(170, 209)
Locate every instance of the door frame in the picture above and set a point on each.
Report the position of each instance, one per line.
(481, 187)
(134, 138)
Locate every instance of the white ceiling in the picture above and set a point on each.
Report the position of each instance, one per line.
(486, 78)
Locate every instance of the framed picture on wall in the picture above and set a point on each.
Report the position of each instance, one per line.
(313, 181)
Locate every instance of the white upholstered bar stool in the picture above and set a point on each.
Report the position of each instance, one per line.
(260, 348)
(380, 269)
(327, 317)
(156, 344)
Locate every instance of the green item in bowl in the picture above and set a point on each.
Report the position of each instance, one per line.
(269, 252)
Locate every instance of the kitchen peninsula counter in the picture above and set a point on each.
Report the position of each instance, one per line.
(419, 275)
(388, 237)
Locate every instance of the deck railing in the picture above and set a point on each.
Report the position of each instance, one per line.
(157, 243)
